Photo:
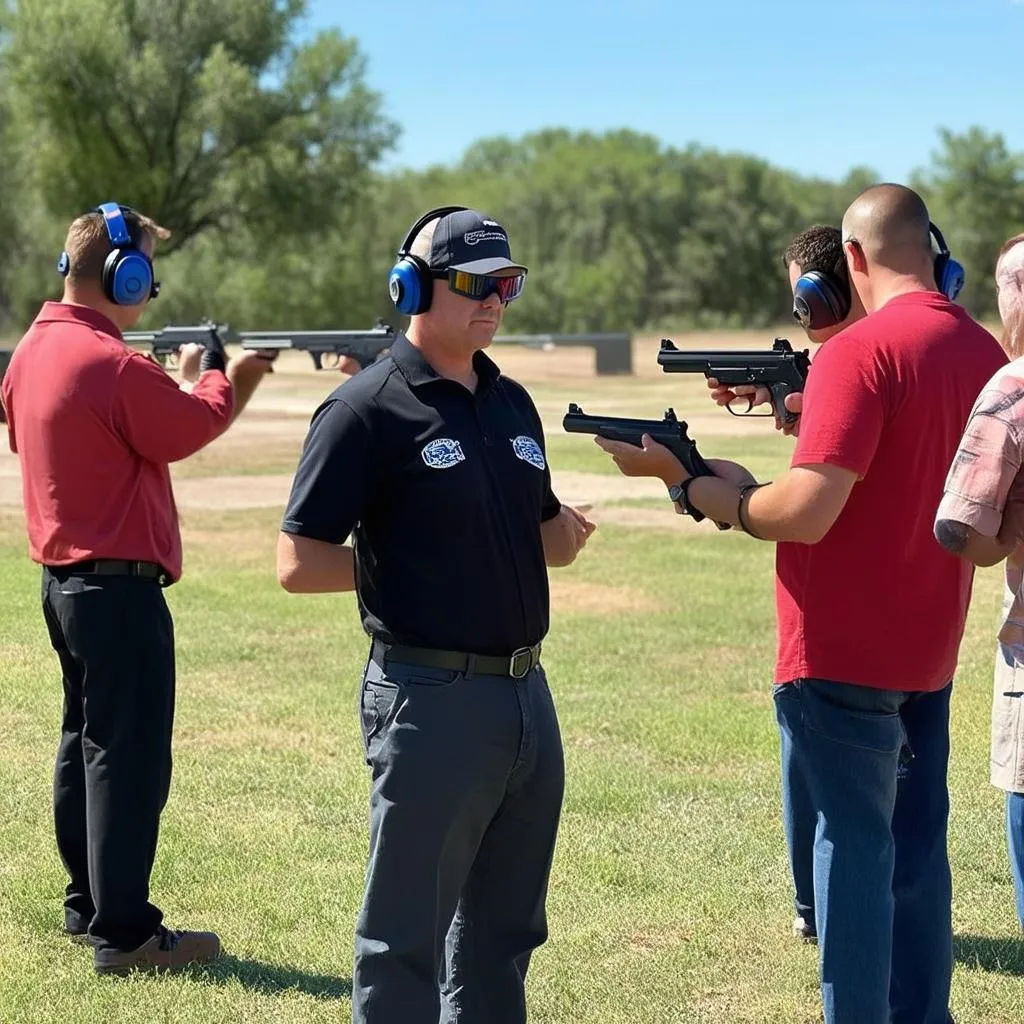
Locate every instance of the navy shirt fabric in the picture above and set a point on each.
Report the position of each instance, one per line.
(443, 491)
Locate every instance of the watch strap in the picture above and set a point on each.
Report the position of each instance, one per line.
(683, 492)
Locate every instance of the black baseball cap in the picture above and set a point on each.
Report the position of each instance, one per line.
(471, 241)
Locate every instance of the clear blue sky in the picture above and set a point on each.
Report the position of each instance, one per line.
(813, 86)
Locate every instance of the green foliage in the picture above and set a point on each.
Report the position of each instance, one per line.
(262, 155)
(201, 113)
(975, 192)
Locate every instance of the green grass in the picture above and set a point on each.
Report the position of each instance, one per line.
(670, 897)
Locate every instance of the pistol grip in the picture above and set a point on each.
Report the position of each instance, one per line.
(779, 391)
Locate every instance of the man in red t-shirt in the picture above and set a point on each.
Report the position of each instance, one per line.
(870, 609)
(95, 425)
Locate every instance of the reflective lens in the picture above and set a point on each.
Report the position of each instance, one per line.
(480, 286)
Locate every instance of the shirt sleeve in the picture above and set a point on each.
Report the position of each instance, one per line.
(330, 484)
(159, 420)
(984, 468)
(5, 402)
(844, 408)
(550, 506)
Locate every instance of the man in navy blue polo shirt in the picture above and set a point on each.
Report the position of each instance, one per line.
(434, 462)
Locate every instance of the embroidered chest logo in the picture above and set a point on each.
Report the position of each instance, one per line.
(528, 450)
(443, 453)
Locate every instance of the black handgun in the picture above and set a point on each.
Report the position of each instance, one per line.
(164, 344)
(670, 431)
(781, 370)
(365, 347)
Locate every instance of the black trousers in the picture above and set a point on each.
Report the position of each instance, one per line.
(115, 640)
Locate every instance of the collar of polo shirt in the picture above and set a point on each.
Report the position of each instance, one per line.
(416, 370)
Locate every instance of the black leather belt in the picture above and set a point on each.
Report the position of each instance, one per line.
(517, 665)
(117, 567)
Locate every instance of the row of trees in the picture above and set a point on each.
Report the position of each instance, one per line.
(262, 156)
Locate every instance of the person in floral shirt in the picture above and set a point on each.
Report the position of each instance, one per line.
(981, 518)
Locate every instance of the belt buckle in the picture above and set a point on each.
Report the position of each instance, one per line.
(528, 652)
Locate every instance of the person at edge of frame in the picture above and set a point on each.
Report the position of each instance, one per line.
(870, 609)
(981, 519)
(435, 463)
(824, 304)
(95, 425)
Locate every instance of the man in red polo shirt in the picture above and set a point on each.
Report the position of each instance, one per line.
(95, 425)
(871, 609)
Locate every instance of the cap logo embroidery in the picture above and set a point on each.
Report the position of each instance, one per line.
(442, 453)
(528, 450)
(475, 237)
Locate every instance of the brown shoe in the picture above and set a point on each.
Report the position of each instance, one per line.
(165, 951)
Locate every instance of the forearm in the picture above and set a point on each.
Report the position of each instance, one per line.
(965, 542)
(243, 386)
(560, 548)
(331, 570)
(781, 511)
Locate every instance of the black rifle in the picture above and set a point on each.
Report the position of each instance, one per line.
(670, 431)
(164, 344)
(364, 347)
(782, 371)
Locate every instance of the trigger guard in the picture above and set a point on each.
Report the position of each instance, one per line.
(746, 412)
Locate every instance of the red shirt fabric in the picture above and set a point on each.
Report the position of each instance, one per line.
(95, 425)
(878, 602)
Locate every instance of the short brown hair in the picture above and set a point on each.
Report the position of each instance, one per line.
(88, 244)
(819, 247)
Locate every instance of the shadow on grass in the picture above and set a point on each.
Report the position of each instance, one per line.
(272, 978)
(998, 956)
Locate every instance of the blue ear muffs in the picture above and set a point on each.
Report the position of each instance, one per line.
(949, 273)
(127, 272)
(410, 284)
(127, 276)
(821, 299)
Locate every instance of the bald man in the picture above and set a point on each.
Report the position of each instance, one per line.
(870, 609)
(980, 519)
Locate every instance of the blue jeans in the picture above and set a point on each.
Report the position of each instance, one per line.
(882, 882)
(800, 821)
(1015, 840)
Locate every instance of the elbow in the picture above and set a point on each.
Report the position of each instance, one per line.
(984, 561)
(291, 578)
(289, 574)
(815, 535)
(810, 530)
(953, 537)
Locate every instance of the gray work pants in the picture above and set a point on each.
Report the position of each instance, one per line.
(465, 799)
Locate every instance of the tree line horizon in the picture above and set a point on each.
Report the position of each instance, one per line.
(262, 154)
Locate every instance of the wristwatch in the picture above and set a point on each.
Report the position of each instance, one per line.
(678, 493)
